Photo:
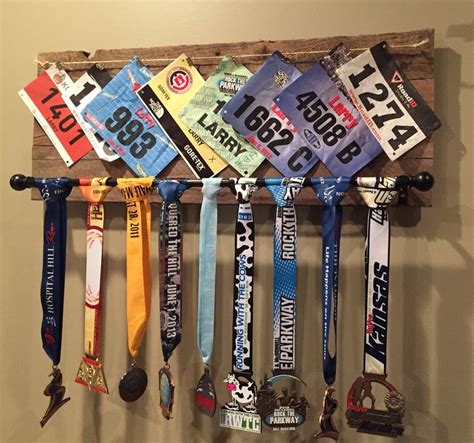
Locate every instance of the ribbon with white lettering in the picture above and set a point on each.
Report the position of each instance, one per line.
(284, 273)
(54, 192)
(136, 192)
(91, 372)
(243, 280)
(170, 284)
(377, 251)
(283, 410)
(205, 392)
(330, 191)
(241, 411)
(378, 193)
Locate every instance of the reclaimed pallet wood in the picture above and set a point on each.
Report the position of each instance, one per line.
(413, 51)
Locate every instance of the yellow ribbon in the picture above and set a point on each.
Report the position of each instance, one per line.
(135, 192)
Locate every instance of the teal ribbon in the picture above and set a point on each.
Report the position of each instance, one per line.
(207, 267)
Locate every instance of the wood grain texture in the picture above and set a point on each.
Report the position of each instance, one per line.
(413, 51)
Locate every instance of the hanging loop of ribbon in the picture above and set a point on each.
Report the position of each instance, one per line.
(136, 192)
(284, 273)
(330, 191)
(54, 193)
(207, 267)
(242, 329)
(170, 254)
(94, 195)
(378, 194)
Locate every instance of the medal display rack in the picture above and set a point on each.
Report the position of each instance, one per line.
(422, 182)
(413, 52)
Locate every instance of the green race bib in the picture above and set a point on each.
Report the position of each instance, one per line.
(202, 115)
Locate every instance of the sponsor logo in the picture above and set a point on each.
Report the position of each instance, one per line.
(396, 78)
(280, 78)
(59, 77)
(405, 97)
(311, 138)
(179, 80)
(231, 83)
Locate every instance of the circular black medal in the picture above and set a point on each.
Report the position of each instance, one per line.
(133, 384)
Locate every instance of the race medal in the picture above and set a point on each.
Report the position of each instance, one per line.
(136, 192)
(165, 95)
(205, 392)
(170, 284)
(91, 372)
(43, 97)
(285, 411)
(133, 384)
(393, 109)
(253, 114)
(241, 412)
(329, 122)
(205, 397)
(118, 116)
(378, 193)
(82, 92)
(54, 193)
(202, 115)
(166, 392)
(330, 191)
(281, 410)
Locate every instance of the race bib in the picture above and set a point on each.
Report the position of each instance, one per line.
(329, 122)
(253, 114)
(202, 115)
(82, 92)
(123, 122)
(165, 96)
(43, 97)
(390, 105)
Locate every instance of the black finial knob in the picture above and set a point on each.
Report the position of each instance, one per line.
(18, 182)
(423, 181)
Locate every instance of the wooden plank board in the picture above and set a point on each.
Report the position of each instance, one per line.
(413, 51)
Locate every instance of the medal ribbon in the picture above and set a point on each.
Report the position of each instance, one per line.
(94, 195)
(54, 192)
(135, 192)
(377, 197)
(330, 191)
(242, 331)
(207, 267)
(170, 265)
(284, 273)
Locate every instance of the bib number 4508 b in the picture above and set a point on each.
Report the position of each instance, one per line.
(270, 132)
(128, 130)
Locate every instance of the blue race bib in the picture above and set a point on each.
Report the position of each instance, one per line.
(329, 122)
(254, 115)
(120, 118)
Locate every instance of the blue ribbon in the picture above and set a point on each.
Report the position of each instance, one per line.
(284, 274)
(170, 276)
(330, 191)
(207, 267)
(54, 193)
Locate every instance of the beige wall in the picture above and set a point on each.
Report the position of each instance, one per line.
(431, 323)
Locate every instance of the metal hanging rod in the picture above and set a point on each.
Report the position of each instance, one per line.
(423, 181)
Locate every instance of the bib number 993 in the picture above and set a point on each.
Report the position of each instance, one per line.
(130, 132)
